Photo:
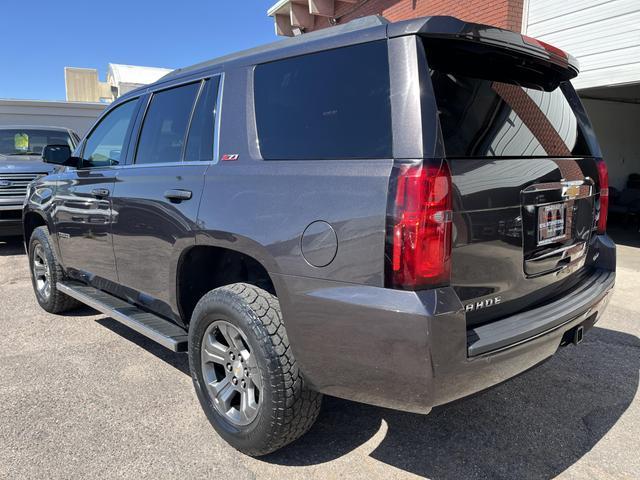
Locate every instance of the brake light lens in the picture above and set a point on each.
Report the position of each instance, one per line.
(546, 46)
(603, 177)
(419, 246)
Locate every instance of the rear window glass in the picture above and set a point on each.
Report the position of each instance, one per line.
(482, 116)
(326, 105)
(165, 125)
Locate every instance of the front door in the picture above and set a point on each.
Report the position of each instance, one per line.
(156, 198)
(83, 215)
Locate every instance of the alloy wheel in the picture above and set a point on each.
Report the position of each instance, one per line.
(231, 373)
(41, 272)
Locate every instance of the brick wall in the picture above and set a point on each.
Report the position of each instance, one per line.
(501, 13)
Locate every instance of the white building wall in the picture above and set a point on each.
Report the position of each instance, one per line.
(603, 34)
(77, 116)
(616, 125)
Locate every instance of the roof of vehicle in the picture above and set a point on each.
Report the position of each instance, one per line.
(35, 127)
(373, 28)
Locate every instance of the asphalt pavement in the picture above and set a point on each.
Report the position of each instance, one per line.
(83, 397)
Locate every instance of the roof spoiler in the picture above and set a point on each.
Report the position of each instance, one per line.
(452, 28)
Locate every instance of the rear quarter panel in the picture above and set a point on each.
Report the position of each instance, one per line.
(263, 208)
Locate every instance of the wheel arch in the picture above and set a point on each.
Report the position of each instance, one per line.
(202, 268)
(30, 221)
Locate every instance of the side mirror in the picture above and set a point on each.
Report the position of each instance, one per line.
(59, 155)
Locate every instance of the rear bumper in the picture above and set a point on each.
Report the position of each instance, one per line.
(412, 350)
(527, 325)
(460, 377)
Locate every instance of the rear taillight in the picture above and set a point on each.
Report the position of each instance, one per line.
(419, 226)
(603, 177)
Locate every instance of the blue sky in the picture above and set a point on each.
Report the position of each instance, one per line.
(40, 37)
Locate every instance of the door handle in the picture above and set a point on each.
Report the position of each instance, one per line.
(178, 195)
(100, 192)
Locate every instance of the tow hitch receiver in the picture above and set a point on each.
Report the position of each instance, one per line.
(578, 334)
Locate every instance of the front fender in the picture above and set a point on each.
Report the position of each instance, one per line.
(40, 202)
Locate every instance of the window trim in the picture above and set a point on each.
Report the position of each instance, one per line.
(127, 139)
(217, 123)
(203, 83)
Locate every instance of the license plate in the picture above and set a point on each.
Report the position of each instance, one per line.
(552, 223)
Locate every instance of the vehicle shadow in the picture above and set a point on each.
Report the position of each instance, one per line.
(81, 311)
(10, 246)
(534, 426)
(176, 360)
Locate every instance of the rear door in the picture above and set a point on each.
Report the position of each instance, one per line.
(522, 158)
(156, 198)
(83, 214)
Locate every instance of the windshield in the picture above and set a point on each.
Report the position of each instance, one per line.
(31, 141)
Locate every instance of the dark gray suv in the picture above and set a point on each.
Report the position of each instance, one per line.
(398, 214)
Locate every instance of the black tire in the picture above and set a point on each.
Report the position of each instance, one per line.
(287, 407)
(55, 301)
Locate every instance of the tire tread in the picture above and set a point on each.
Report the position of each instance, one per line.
(301, 406)
(296, 407)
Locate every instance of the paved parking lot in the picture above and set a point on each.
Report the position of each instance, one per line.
(83, 397)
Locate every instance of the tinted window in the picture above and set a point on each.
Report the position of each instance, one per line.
(165, 125)
(483, 118)
(200, 141)
(333, 104)
(24, 141)
(105, 145)
(491, 106)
